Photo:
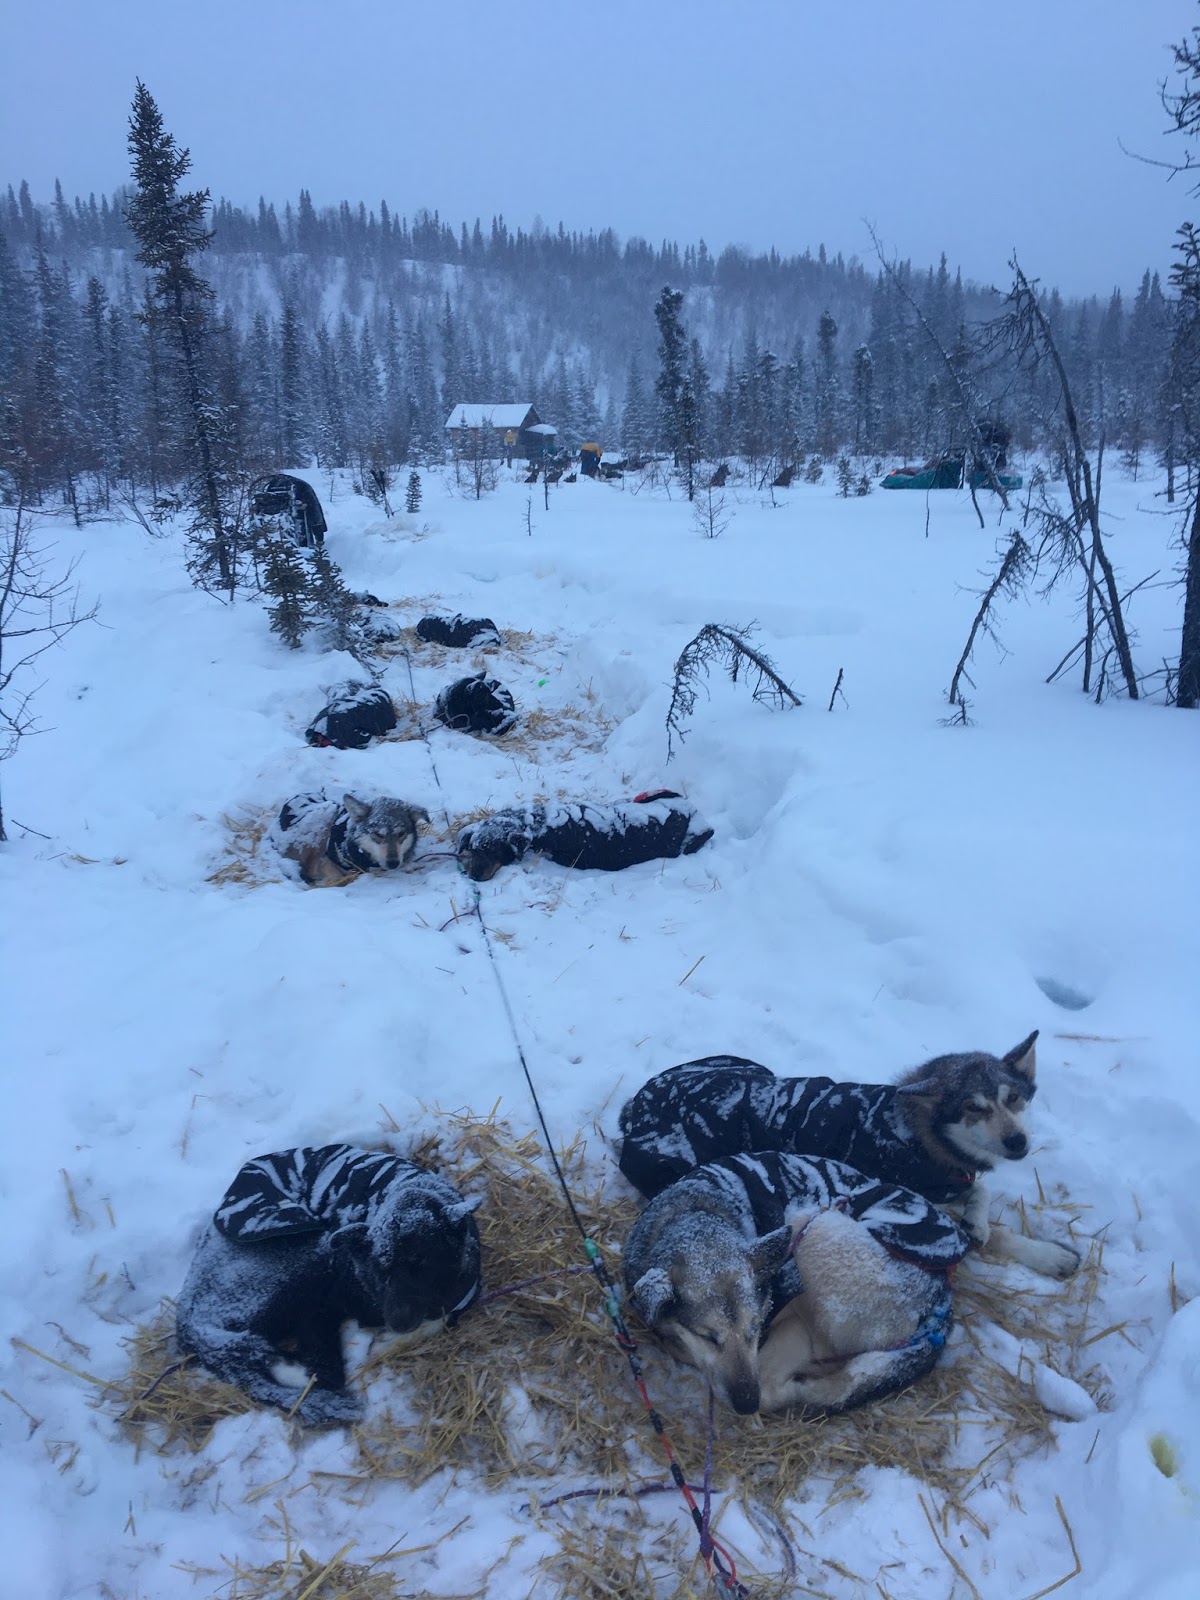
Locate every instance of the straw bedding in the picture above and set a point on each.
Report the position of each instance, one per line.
(530, 1395)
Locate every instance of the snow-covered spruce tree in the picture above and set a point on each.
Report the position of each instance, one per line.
(412, 494)
(288, 577)
(336, 608)
(827, 385)
(845, 476)
(170, 229)
(672, 369)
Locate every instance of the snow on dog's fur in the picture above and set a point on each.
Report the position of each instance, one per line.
(852, 1275)
(602, 838)
(934, 1131)
(353, 715)
(307, 1239)
(329, 839)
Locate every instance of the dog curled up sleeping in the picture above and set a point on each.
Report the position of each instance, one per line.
(354, 714)
(934, 1131)
(604, 838)
(330, 839)
(307, 1239)
(849, 1276)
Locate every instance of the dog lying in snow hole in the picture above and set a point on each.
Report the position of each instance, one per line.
(602, 838)
(934, 1131)
(355, 714)
(459, 632)
(329, 839)
(478, 704)
(308, 1239)
(849, 1276)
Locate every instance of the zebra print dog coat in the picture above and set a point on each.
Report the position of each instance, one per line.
(307, 1239)
(721, 1105)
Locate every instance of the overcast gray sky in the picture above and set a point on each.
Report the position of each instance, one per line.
(952, 125)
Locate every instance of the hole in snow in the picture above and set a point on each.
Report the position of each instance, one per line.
(1062, 994)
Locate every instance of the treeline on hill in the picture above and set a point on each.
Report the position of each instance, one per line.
(345, 336)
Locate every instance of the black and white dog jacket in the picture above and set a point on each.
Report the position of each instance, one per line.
(356, 714)
(764, 1190)
(722, 1105)
(307, 1239)
(601, 838)
(476, 705)
(458, 632)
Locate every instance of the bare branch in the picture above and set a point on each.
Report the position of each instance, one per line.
(730, 647)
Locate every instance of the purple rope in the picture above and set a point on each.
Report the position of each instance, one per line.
(599, 1493)
(706, 1543)
(528, 1283)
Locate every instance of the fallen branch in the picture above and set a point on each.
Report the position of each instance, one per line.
(1015, 559)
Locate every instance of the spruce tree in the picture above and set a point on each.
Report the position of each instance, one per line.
(170, 229)
(287, 577)
(412, 495)
(672, 368)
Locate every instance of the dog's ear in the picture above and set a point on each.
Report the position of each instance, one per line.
(463, 1208)
(351, 1240)
(357, 808)
(1022, 1058)
(653, 1293)
(769, 1253)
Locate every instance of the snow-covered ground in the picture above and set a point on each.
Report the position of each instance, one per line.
(880, 888)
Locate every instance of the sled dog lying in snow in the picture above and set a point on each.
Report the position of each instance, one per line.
(459, 632)
(851, 1274)
(477, 704)
(305, 1240)
(329, 839)
(934, 1131)
(604, 838)
(354, 714)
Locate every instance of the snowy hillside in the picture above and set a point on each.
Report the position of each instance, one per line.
(880, 889)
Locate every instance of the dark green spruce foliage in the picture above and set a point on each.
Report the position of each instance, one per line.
(170, 228)
(288, 577)
(412, 495)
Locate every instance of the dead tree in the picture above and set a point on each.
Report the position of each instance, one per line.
(1070, 541)
(723, 645)
(1008, 581)
(39, 607)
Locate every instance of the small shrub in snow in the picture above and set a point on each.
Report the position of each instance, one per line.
(813, 471)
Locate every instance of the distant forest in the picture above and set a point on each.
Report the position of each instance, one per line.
(344, 337)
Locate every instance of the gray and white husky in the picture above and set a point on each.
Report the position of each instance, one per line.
(849, 1277)
(934, 1131)
(331, 841)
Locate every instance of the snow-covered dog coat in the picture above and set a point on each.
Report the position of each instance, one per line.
(476, 705)
(458, 632)
(305, 1240)
(603, 838)
(760, 1192)
(356, 714)
(722, 1105)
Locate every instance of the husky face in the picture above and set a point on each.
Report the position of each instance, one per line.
(385, 831)
(420, 1264)
(710, 1305)
(974, 1105)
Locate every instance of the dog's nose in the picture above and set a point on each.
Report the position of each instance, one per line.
(744, 1398)
(1016, 1145)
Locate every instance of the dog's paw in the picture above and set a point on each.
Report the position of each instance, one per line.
(1057, 1260)
(978, 1230)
